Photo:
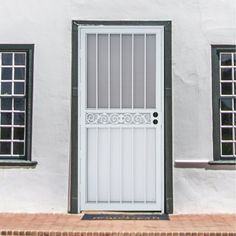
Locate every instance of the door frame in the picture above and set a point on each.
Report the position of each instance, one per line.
(74, 176)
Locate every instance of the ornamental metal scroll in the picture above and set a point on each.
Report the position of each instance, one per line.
(117, 118)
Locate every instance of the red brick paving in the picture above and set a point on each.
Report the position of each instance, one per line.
(71, 225)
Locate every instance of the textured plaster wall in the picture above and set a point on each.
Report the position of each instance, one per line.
(196, 25)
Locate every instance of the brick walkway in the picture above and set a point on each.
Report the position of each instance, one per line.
(71, 225)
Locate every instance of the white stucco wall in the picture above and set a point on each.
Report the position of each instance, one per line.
(196, 25)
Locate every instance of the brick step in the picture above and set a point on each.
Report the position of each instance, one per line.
(51, 233)
(72, 225)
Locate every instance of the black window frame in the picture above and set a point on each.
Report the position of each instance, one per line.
(29, 50)
(216, 99)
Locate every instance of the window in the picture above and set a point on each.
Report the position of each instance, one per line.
(16, 62)
(224, 101)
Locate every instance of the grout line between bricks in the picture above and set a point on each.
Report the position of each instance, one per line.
(88, 233)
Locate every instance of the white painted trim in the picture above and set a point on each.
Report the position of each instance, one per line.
(124, 28)
(159, 32)
(123, 207)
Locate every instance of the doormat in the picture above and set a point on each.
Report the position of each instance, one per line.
(124, 217)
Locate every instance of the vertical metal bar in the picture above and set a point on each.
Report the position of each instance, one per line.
(155, 159)
(86, 72)
(120, 70)
(109, 165)
(132, 70)
(109, 69)
(145, 164)
(132, 94)
(145, 74)
(97, 167)
(96, 54)
(109, 106)
(132, 163)
(121, 163)
(121, 146)
(145, 129)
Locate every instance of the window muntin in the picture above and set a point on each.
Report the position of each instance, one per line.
(227, 75)
(13, 70)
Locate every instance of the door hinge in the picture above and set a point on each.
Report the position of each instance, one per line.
(75, 92)
(168, 92)
(169, 206)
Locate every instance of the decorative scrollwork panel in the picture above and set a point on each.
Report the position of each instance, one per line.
(117, 118)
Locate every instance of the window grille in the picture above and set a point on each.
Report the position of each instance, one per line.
(227, 73)
(15, 97)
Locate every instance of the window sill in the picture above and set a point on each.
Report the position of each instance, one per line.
(222, 162)
(17, 163)
(210, 165)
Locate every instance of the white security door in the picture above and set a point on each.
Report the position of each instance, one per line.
(121, 118)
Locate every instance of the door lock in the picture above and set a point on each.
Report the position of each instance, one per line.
(155, 122)
(155, 114)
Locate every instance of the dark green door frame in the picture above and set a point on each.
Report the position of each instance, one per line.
(73, 193)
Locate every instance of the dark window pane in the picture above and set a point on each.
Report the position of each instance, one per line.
(6, 118)
(6, 58)
(19, 104)
(19, 74)
(18, 148)
(19, 133)
(227, 148)
(6, 88)
(18, 88)
(6, 73)
(5, 148)
(226, 119)
(226, 88)
(226, 59)
(234, 61)
(227, 134)
(6, 103)
(226, 74)
(19, 59)
(19, 118)
(226, 104)
(5, 133)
